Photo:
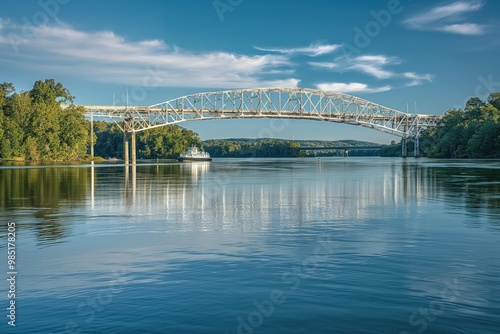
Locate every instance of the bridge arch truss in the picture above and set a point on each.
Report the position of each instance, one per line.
(290, 103)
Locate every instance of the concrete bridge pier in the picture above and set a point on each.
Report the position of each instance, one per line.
(134, 156)
(416, 147)
(128, 128)
(404, 148)
(129, 151)
(125, 148)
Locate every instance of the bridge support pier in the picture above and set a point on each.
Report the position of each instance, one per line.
(129, 152)
(134, 156)
(404, 148)
(125, 147)
(416, 147)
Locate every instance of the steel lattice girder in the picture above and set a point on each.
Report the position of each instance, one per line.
(269, 103)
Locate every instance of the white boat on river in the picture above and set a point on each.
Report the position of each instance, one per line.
(194, 154)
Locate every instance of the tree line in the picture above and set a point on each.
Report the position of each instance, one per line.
(35, 127)
(165, 142)
(472, 132)
(247, 148)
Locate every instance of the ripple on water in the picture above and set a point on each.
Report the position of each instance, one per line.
(350, 246)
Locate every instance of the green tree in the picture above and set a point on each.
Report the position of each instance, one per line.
(50, 92)
(34, 126)
(166, 142)
(470, 133)
(5, 90)
(474, 103)
(494, 100)
(110, 140)
(16, 125)
(74, 133)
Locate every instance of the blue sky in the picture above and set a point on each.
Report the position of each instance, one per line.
(432, 55)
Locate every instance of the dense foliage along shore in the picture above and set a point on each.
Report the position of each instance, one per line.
(166, 142)
(33, 126)
(472, 132)
(270, 147)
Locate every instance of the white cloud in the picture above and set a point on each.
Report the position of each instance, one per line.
(417, 79)
(440, 17)
(446, 11)
(464, 29)
(312, 50)
(105, 56)
(373, 65)
(327, 65)
(369, 64)
(353, 87)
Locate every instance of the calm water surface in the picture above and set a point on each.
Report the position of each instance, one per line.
(366, 245)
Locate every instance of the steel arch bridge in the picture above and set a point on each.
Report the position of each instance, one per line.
(268, 103)
(290, 103)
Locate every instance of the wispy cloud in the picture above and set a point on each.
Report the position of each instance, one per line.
(353, 87)
(449, 18)
(312, 50)
(375, 66)
(105, 56)
(372, 65)
(417, 79)
(446, 11)
(464, 29)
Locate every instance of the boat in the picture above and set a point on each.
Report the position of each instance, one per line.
(194, 154)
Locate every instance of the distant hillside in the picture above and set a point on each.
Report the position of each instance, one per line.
(268, 147)
(303, 143)
(328, 143)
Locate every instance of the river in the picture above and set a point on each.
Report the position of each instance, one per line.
(337, 245)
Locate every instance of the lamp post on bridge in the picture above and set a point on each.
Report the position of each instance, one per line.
(415, 110)
(128, 127)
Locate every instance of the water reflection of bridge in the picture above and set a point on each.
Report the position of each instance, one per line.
(234, 196)
(224, 196)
